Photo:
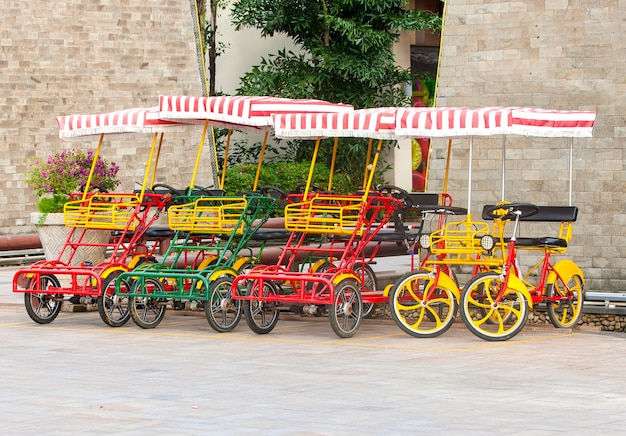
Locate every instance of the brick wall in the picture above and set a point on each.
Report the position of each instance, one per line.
(557, 54)
(87, 56)
(93, 56)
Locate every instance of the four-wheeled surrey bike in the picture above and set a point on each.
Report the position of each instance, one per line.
(339, 281)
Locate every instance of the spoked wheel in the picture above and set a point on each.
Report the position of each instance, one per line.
(370, 283)
(222, 312)
(487, 319)
(565, 303)
(421, 307)
(347, 310)
(147, 312)
(114, 309)
(261, 316)
(43, 308)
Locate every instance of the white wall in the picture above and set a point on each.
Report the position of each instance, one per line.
(246, 48)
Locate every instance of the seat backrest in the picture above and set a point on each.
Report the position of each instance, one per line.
(553, 214)
(421, 199)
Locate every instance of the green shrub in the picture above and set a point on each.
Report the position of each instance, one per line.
(284, 175)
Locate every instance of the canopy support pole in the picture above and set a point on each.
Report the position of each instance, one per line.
(226, 148)
(93, 167)
(197, 164)
(367, 161)
(503, 165)
(332, 164)
(571, 168)
(257, 176)
(156, 161)
(311, 168)
(146, 173)
(469, 175)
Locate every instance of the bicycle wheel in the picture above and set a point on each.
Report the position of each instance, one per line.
(370, 283)
(346, 312)
(261, 316)
(222, 312)
(114, 309)
(565, 302)
(487, 319)
(43, 308)
(147, 312)
(421, 307)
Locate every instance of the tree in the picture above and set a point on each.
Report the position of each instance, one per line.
(346, 56)
(346, 48)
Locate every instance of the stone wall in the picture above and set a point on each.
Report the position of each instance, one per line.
(88, 56)
(557, 54)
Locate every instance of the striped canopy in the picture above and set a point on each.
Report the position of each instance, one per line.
(240, 111)
(552, 123)
(378, 123)
(453, 122)
(136, 120)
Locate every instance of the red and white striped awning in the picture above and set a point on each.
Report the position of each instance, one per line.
(240, 111)
(136, 120)
(454, 122)
(433, 122)
(552, 123)
(378, 123)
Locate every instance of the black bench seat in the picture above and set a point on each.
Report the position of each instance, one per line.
(549, 214)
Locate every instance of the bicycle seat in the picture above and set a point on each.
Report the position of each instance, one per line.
(545, 242)
(551, 242)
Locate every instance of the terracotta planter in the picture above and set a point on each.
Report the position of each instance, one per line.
(53, 234)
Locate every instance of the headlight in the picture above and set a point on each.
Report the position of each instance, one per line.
(487, 242)
(425, 240)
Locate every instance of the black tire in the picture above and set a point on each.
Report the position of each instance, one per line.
(114, 309)
(147, 312)
(222, 312)
(484, 318)
(261, 316)
(419, 316)
(370, 283)
(43, 308)
(565, 303)
(346, 313)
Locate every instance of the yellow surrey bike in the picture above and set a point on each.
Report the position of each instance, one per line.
(424, 303)
(495, 303)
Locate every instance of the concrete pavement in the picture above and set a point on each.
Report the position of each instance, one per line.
(79, 376)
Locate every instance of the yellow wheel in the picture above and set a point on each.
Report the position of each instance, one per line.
(565, 302)
(488, 318)
(421, 307)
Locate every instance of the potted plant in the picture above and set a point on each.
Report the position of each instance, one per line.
(54, 180)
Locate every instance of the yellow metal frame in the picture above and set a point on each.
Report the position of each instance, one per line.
(209, 215)
(458, 243)
(102, 211)
(330, 214)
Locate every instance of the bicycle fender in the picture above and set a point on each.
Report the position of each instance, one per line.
(220, 273)
(387, 289)
(446, 282)
(341, 277)
(109, 271)
(206, 262)
(240, 261)
(320, 263)
(566, 269)
(137, 259)
(519, 286)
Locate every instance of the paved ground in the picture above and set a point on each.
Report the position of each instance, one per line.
(77, 375)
